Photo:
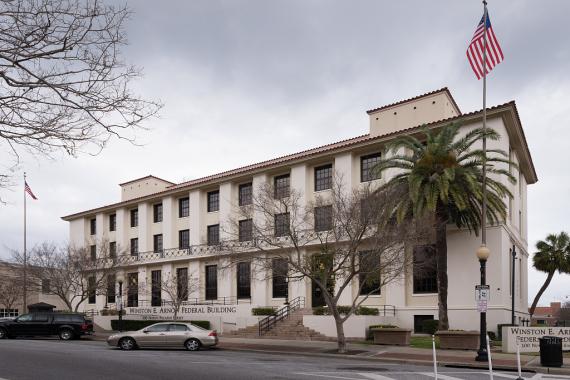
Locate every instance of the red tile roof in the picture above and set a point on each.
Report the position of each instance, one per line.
(444, 89)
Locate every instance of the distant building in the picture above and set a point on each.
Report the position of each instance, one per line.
(162, 227)
(547, 315)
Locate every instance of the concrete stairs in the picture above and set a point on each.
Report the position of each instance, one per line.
(291, 328)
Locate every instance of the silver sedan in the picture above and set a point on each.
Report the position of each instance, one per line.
(165, 334)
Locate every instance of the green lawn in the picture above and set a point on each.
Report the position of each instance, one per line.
(423, 342)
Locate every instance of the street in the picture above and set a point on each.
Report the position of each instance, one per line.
(55, 359)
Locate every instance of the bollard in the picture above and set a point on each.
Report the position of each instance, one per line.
(490, 360)
(519, 362)
(434, 357)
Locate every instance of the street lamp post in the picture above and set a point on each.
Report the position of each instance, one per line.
(514, 258)
(120, 301)
(482, 354)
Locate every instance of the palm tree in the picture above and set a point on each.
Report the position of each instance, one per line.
(443, 175)
(553, 255)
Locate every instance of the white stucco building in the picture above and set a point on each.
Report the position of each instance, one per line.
(165, 227)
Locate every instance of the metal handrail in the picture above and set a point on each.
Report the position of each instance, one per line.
(268, 322)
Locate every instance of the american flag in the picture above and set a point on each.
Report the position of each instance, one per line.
(29, 191)
(475, 49)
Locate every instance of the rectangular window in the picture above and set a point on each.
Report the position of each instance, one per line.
(368, 170)
(113, 250)
(279, 275)
(245, 230)
(282, 224)
(157, 213)
(211, 282)
(156, 287)
(93, 226)
(323, 218)
(93, 252)
(213, 201)
(46, 288)
(157, 243)
(183, 239)
(323, 177)
(182, 283)
(91, 290)
(419, 323)
(183, 207)
(8, 313)
(214, 234)
(243, 280)
(369, 273)
(245, 194)
(134, 217)
(111, 279)
(134, 247)
(133, 290)
(113, 222)
(425, 269)
(281, 186)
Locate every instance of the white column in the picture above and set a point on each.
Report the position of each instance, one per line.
(343, 170)
(195, 276)
(226, 278)
(260, 284)
(195, 218)
(225, 213)
(169, 236)
(145, 243)
(299, 184)
(167, 272)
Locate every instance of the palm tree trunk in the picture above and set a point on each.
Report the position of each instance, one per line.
(539, 294)
(441, 261)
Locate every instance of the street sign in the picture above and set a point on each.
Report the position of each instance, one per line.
(482, 293)
(482, 306)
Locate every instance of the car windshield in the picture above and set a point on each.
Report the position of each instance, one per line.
(24, 318)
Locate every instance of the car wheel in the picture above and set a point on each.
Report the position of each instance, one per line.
(192, 344)
(127, 344)
(66, 334)
(3, 334)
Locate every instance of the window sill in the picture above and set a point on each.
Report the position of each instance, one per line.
(322, 191)
(213, 212)
(424, 294)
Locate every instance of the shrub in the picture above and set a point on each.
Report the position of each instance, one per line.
(319, 310)
(268, 310)
(107, 312)
(492, 335)
(430, 326)
(362, 310)
(136, 324)
(382, 327)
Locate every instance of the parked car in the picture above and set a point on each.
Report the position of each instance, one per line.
(65, 325)
(165, 334)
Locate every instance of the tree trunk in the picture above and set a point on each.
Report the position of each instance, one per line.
(539, 294)
(340, 338)
(441, 261)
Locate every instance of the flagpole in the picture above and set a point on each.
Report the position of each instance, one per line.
(25, 290)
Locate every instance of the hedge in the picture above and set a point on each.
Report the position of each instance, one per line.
(268, 310)
(430, 326)
(137, 324)
(362, 310)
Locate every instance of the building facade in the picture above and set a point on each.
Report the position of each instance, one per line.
(161, 228)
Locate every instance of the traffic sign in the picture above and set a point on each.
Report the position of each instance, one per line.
(482, 293)
(482, 306)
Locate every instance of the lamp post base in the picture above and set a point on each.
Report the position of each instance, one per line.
(482, 356)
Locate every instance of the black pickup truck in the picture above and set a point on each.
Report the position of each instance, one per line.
(65, 325)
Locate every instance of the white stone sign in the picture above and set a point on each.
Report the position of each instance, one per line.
(156, 312)
(528, 337)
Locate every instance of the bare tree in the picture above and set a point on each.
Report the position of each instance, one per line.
(11, 291)
(177, 288)
(64, 84)
(73, 273)
(345, 237)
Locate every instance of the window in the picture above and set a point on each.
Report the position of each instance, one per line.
(369, 274)
(9, 313)
(279, 275)
(213, 201)
(184, 239)
(425, 272)
(245, 230)
(111, 279)
(183, 207)
(245, 194)
(46, 286)
(91, 290)
(157, 243)
(93, 252)
(156, 282)
(157, 213)
(419, 322)
(323, 177)
(282, 224)
(158, 328)
(113, 222)
(281, 186)
(243, 280)
(134, 217)
(368, 171)
(113, 250)
(182, 283)
(214, 234)
(323, 218)
(134, 247)
(93, 226)
(133, 290)
(211, 282)
(177, 327)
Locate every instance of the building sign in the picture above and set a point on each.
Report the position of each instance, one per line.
(528, 337)
(165, 311)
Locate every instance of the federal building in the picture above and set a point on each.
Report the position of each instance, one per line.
(164, 228)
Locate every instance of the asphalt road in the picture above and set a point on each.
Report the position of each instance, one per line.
(85, 360)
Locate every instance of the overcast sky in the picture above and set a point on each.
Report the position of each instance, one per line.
(245, 81)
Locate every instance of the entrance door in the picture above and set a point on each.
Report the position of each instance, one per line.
(317, 298)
